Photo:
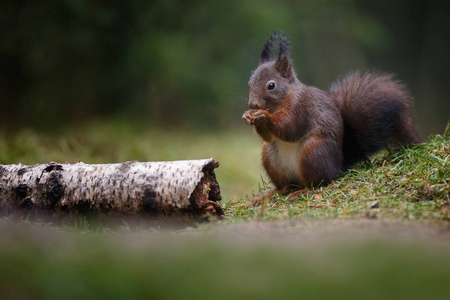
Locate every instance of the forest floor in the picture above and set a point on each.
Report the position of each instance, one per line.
(381, 231)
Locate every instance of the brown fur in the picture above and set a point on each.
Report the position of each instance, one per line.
(310, 136)
(376, 110)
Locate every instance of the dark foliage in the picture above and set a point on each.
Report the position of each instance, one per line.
(174, 63)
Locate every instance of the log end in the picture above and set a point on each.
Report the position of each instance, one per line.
(207, 192)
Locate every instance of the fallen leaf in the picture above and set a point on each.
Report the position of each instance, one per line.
(296, 195)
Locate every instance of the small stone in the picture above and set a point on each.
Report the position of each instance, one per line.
(375, 204)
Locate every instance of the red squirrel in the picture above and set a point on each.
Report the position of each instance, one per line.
(309, 136)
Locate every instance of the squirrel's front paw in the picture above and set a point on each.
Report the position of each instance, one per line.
(260, 116)
(248, 116)
(252, 116)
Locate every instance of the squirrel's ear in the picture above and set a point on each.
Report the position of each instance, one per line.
(283, 64)
(284, 67)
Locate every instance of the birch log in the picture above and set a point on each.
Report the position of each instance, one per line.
(128, 188)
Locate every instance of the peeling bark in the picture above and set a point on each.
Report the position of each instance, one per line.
(129, 188)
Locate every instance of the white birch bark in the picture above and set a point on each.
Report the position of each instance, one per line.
(125, 188)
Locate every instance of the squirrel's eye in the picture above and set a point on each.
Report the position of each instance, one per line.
(271, 85)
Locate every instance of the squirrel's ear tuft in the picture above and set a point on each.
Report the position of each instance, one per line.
(285, 46)
(283, 64)
(268, 48)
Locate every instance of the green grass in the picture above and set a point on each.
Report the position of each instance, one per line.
(412, 183)
(328, 244)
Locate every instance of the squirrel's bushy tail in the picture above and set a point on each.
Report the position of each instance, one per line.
(376, 111)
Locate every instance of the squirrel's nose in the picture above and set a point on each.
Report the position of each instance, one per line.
(253, 105)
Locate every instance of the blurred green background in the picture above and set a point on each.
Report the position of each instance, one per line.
(167, 63)
(110, 81)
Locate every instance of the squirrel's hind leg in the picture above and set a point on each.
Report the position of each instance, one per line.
(321, 161)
